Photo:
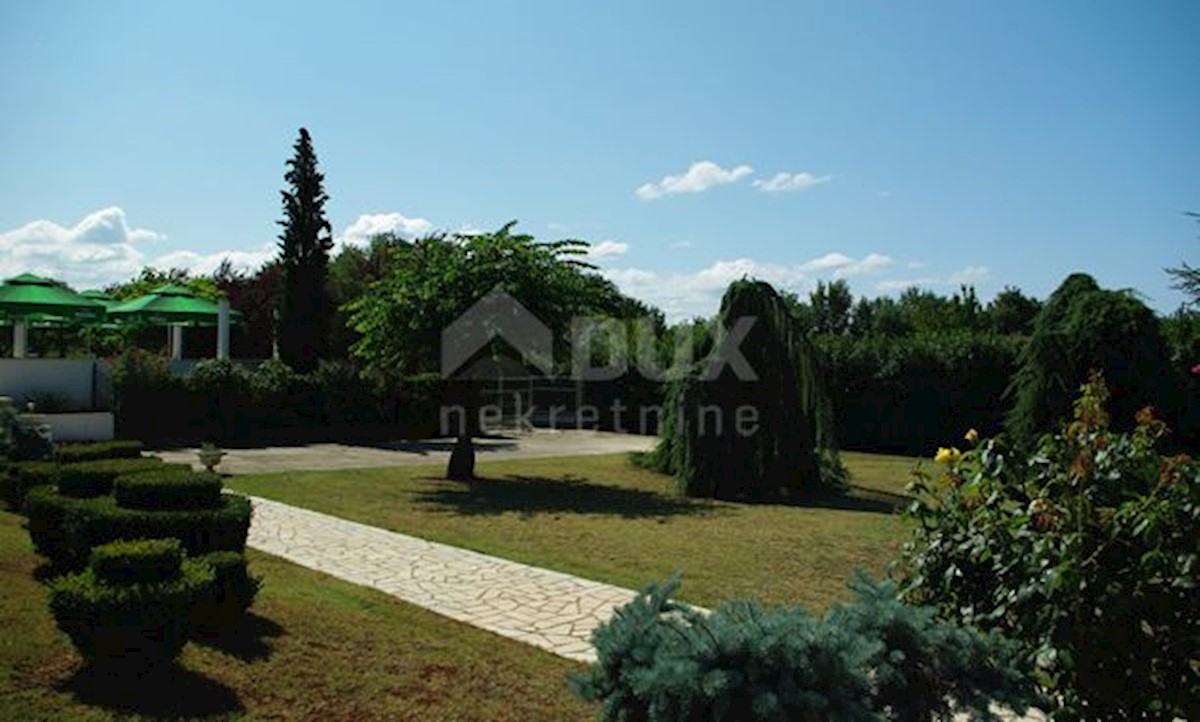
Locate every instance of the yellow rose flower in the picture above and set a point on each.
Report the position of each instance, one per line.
(972, 436)
(947, 456)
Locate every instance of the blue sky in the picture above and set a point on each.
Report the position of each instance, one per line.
(1000, 143)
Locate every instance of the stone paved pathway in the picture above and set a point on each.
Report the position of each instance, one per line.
(547, 609)
(551, 610)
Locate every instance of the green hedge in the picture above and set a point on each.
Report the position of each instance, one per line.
(66, 529)
(95, 478)
(142, 624)
(46, 507)
(913, 394)
(135, 562)
(232, 593)
(175, 490)
(23, 476)
(116, 449)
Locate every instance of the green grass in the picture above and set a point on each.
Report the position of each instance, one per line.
(315, 648)
(603, 518)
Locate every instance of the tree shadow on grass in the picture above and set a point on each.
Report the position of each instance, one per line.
(423, 448)
(171, 692)
(856, 498)
(248, 640)
(531, 495)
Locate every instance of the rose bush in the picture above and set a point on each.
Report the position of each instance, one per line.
(1086, 552)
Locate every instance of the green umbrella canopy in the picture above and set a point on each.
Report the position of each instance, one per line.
(169, 305)
(32, 298)
(100, 297)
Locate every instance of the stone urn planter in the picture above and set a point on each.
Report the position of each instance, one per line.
(210, 456)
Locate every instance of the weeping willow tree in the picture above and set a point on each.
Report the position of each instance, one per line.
(765, 434)
(1084, 328)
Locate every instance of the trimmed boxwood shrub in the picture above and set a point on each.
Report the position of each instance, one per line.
(131, 562)
(91, 451)
(172, 489)
(66, 529)
(231, 595)
(46, 508)
(95, 478)
(140, 624)
(25, 475)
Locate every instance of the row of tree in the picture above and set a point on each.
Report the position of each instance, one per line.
(900, 372)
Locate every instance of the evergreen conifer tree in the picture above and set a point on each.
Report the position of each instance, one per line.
(786, 429)
(304, 247)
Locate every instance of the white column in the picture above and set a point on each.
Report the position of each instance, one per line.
(20, 338)
(176, 336)
(223, 328)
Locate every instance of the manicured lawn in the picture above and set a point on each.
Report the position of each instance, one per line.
(314, 649)
(603, 518)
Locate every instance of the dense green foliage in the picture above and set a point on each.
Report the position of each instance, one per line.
(95, 478)
(304, 245)
(91, 451)
(708, 443)
(20, 477)
(1083, 327)
(232, 593)
(1086, 552)
(139, 599)
(430, 283)
(223, 402)
(133, 562)
(877, 659)
(168, 490)
(66, 529)
(907, 395)
(139, 623)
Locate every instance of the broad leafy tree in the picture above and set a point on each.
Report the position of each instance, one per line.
(1012, 312)
(429, 284)
(256, 296)
(351, 273)
(304, 245)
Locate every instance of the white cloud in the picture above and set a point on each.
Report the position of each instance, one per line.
(359, 232)
(843, 265)
(884, 194)
(103, 249)
(684, 295)
(784, 182)
(204, 264)
(969, 276)
(607, 248)
(95, 251)
(699, 177)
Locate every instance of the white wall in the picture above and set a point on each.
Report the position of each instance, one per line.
(72, 379)
(95, 426)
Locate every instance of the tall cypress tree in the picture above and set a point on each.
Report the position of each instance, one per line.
(304, 247)
(792, 449)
